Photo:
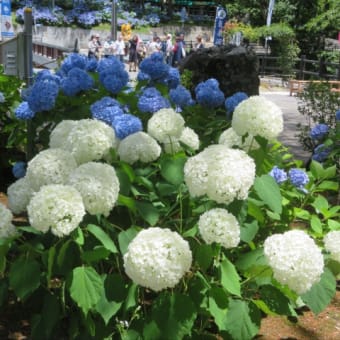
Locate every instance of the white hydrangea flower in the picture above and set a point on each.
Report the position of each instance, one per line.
(190, 138)
(230, 138)
(222, 173)
(172, 146)
(258, 116)
(332, 244)
(220, 226)
(139, 146)
(7, 229)
(165, 123)
(90, 140)
(57, 207)
(157, 258)
(50, 166)
(19, 194)
(98, 185)
(59, 134)
(295, 259)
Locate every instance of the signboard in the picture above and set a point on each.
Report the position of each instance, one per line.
(6, 20)
(220, 20)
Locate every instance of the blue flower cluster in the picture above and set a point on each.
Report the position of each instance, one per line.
(298, 178)
(180, 96)
(319, 131)
(321, 153)
(173, 78)
(112, 74)
(278, 174)
(19, 169)
(77, 80)
(232, 101)
(337, 115)
(73, 60)
(208, 94)
(23, 111)
(126, 124)
(155, 67)
(152, 101)
(106, 109)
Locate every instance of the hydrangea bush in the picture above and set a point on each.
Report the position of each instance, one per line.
(150, 212)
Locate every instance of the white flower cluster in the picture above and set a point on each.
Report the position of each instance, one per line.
(157, 258)
(165, 123)
(87, 139)
(222, 173)
(57, 207)
(139, 146)
(295, 259)
(19, 194)
(220, 226)
(50, 166)
(257, 116)
(7, 229)
(332, 244)
(230, 138)
(98, 185)
(188, 137)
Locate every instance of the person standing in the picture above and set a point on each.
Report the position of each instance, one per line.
(133, 56)
(120, 48)
(93, 49)
(178, 51)
(109, 47)
(154, 45)
(169, 48)
(199, 43)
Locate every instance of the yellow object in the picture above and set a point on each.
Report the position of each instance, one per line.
(126, 31)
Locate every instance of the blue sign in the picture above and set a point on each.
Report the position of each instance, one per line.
(6, 19)
(220, 20)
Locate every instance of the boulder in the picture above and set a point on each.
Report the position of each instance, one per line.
(235, 67)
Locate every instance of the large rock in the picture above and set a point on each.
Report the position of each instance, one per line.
(236, 68)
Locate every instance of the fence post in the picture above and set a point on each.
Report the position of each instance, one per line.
(302, 67)
(322, 68)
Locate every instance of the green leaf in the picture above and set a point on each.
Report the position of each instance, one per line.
(204, 256)
(320, 204)
(24, 277)
(276, 301)
(78, 236)
(242, 323)
(316, 169)
(249, 231)
(125, 237)
(218, 306)
(321, 293)
(106, 308)
(127, 202)
(131, 297)
(86, 287)
(333, 225)
(174, 314)
(166, 189)
(50, 262)
(103, 237)
(316, 224)
(149, 213)
(328, 185)
(229, 277)
(269, 192)
(95, 255)
(172, 168)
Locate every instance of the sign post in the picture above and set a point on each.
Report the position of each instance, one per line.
(220, 20)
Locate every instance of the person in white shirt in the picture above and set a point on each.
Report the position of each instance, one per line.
(154, 45)
(120, 48)
(109, 47)
(93, 48)
(169, 49)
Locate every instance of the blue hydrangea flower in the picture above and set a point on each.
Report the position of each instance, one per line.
(232, 101)
(278, 174)
(141, 76)
(24, 112)
(321, 152)
(77, 80)
(48, 76)
(2, 97)
(108, 114)
(319, 131)
(154, 66)
(73, 60)
(152, 101)
(126, 124)
(43, 95)
(91, 64)
(337, 115)
(173, 78)
(180, 96)
(208, 94)
(298, 178)
(19, 169)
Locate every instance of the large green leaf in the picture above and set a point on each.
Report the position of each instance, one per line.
(24, 277)
(229, 277)
(174, 314)
(103, 237)
(248, 231)
(269, 192)
(86, 287)
(149, 213)
(242, 323)
(218, 306)
(321, 293)
(172, 168)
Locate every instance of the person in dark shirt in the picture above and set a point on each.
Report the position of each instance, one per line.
(133, 55)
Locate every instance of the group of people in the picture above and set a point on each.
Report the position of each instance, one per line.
(136, 49)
